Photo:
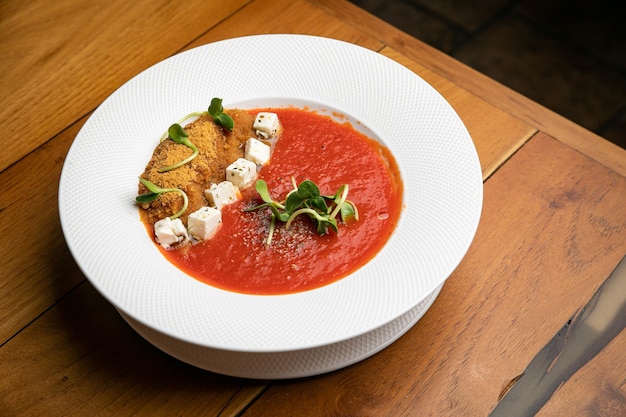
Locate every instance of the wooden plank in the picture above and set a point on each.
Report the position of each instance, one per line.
(72, 369)
(56, 68)
(482, 86)
(37, 268)
(552, 230)
(298, 16)
(496, 134)
(81, 358)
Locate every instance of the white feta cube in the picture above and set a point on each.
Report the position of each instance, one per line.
(219, 195)
(266, 124)
(204, 222)
(257, 152)
(241, 173)
(170, 232)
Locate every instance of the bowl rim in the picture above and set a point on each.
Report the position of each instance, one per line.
(176, 303)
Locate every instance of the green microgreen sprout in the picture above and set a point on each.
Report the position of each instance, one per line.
(217, 111)
(178, 135)
(307, 199)
(181, 122)
(155, 191)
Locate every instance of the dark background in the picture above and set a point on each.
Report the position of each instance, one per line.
(569, 56)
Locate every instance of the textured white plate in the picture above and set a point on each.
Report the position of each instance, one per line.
(291, 363)
(437, 160)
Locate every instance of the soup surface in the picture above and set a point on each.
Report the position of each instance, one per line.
(317, 148)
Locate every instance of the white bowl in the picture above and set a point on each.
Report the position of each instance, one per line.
(313, 331)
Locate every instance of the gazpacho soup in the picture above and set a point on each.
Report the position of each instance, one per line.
(269, 200)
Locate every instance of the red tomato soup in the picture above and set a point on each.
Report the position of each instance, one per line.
(317, 148)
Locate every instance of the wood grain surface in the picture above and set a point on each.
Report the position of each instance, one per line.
(528, 271)
(37, 268)
(277, 16)
(496, 137)
(80, 358)
(552, 230)
(62, 59)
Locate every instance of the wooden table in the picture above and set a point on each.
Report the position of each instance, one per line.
(553, 229)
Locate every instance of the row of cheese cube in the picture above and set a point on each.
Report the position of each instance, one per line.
(203, 223)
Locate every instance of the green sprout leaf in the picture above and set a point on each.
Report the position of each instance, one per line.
(217, 111)
(294, 201)
(348, 212)
(215, 107)
(147, 197)
(306, 199)
(307, 189)
(264, 193)
(178, 135)
(153, 188)
(155, 191)
(319, 203)
(225, 121)
(327, 222)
